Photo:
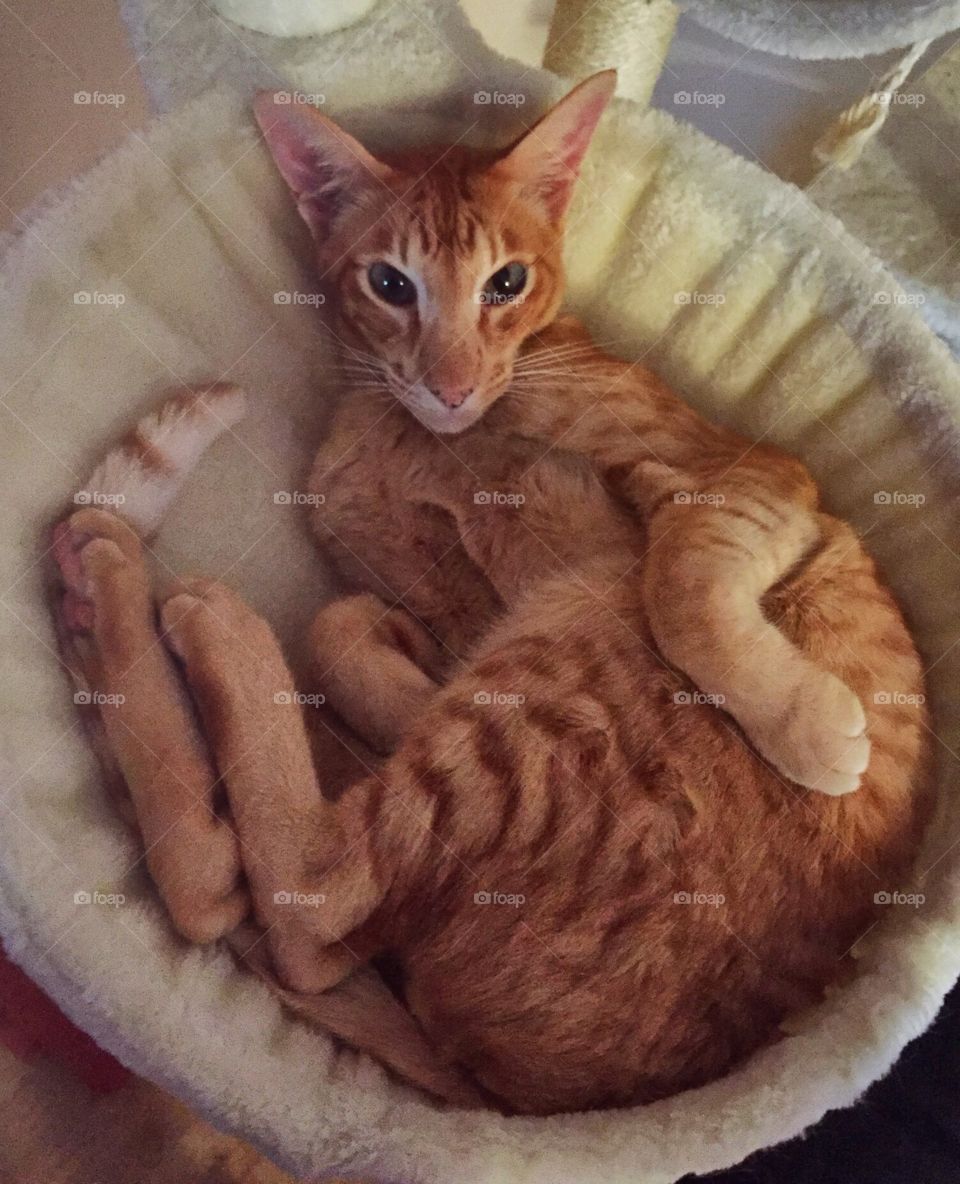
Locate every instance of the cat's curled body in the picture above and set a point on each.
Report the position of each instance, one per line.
(652, 729)
(665, 898)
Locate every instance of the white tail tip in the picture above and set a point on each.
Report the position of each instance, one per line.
(140, 477)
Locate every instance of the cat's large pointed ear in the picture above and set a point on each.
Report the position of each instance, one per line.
(546, 160)
(326, 168)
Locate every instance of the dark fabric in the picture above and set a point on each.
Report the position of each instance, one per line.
(906, 1130)
(32, 1025)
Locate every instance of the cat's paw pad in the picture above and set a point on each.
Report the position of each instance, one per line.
(85, 547)
(820, 739)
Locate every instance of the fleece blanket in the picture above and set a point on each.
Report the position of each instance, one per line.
(899, 197)
(293, 18)
(827, 28)
(184, 47)
(179, 258)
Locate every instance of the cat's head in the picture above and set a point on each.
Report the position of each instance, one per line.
(440, 264)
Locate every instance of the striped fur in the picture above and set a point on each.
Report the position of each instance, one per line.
(140, 477)
(680, 897)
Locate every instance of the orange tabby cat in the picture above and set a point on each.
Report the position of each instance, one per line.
(606, 649)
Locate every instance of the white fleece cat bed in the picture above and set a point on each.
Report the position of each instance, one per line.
(827, 28)
(178, 258)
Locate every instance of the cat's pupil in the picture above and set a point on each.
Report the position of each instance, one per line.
(391, 285)
(505, 284)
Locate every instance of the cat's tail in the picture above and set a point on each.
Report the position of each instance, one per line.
(140, 476)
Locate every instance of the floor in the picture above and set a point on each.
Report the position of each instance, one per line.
(55, 1130)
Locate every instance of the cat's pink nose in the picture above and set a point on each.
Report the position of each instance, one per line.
(449, 395)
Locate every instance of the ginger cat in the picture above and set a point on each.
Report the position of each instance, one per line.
(623, 675)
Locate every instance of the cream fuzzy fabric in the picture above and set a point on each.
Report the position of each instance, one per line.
(293, 18)
(827, 28)
(183, 47)
(900, 197)
(190, 225)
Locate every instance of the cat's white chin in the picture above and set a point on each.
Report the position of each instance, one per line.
(445, 421)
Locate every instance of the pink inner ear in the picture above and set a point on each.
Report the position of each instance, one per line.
(290, 145)
(309, 157)
(324, 166)
(311, 175)
(557, 184)
(574, 145)
(297, 163)
(547, 159)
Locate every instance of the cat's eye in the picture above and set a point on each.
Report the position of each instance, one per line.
(391, 285)
(505, 285)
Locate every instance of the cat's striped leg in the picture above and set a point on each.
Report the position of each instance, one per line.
(314, 867)
(106, 620)
(377, 666)
(707, 571)
(727, 519)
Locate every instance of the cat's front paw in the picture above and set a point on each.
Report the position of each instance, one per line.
(819, 737)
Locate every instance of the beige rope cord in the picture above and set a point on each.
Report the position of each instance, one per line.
(844, 140)
(590, 35)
